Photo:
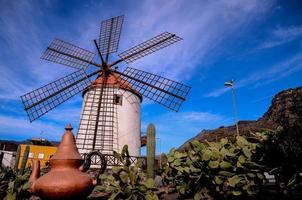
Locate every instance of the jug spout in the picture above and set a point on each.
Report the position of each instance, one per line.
(35, 174)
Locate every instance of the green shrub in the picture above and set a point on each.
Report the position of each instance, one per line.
(214, 169)
(14, 186)
(126, 181)
(24, 160)
(281, 153)
(17, 158)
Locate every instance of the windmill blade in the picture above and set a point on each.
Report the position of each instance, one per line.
(96, 127)
(154, 44)
(42, 100)
(166, 92)
(68, 54)
(110, 33)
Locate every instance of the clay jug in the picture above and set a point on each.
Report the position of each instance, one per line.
(66, 179)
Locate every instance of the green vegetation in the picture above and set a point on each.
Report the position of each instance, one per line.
(128, 182)
(150, 150)
(214, 169)
(14, 183)
(17, 158)
(228, 169)
(24, 159)
(281, 153)
(14, 186)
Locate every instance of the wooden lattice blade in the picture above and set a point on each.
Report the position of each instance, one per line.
(42, 100)
(154, 44)
(164, 91)
(68, 54)
(110, 33)
(96, 127)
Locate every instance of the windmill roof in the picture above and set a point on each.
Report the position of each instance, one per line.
(115, 80)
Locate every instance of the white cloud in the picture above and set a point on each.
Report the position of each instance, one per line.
(182, 126)
(282, 35)
(217, 92)
(10, 88)
(199, 23)
(23, 32)
(204, 25)
(24, 129)
(265, 76)
(66, 114)
(200, 116)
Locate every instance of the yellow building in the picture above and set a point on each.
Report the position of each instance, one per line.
(40, 149)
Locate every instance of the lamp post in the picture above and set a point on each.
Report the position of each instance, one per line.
(231, 84)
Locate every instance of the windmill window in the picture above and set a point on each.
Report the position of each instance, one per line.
(41, 156)
(117, 99)
(31, 155)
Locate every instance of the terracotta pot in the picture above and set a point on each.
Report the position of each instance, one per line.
(66, 179)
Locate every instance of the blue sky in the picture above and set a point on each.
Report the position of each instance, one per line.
(255, 42)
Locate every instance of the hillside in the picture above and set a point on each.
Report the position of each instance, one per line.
(286, 108)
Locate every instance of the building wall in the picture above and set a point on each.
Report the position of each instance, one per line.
(43, 153)
(129, 124)
(126, 121)
(8, 158)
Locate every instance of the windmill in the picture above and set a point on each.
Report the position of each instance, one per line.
(97, 124)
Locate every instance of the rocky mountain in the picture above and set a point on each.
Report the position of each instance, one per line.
(285, 110)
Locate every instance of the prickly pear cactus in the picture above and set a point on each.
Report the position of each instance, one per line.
(150, 150)
(216, 169)
(17, 158)
(24, 160)
(128, 181)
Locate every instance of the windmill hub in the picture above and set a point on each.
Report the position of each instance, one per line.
(106, 67)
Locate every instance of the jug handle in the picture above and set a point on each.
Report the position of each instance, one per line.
(87, 163)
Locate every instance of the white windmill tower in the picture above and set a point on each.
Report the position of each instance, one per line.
(119, 117)
(110, 114)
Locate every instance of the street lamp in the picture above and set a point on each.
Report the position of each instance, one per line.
(231, 84)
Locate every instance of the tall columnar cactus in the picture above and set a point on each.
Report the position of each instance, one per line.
(17, 158)
(150, 150)
(24, 160)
